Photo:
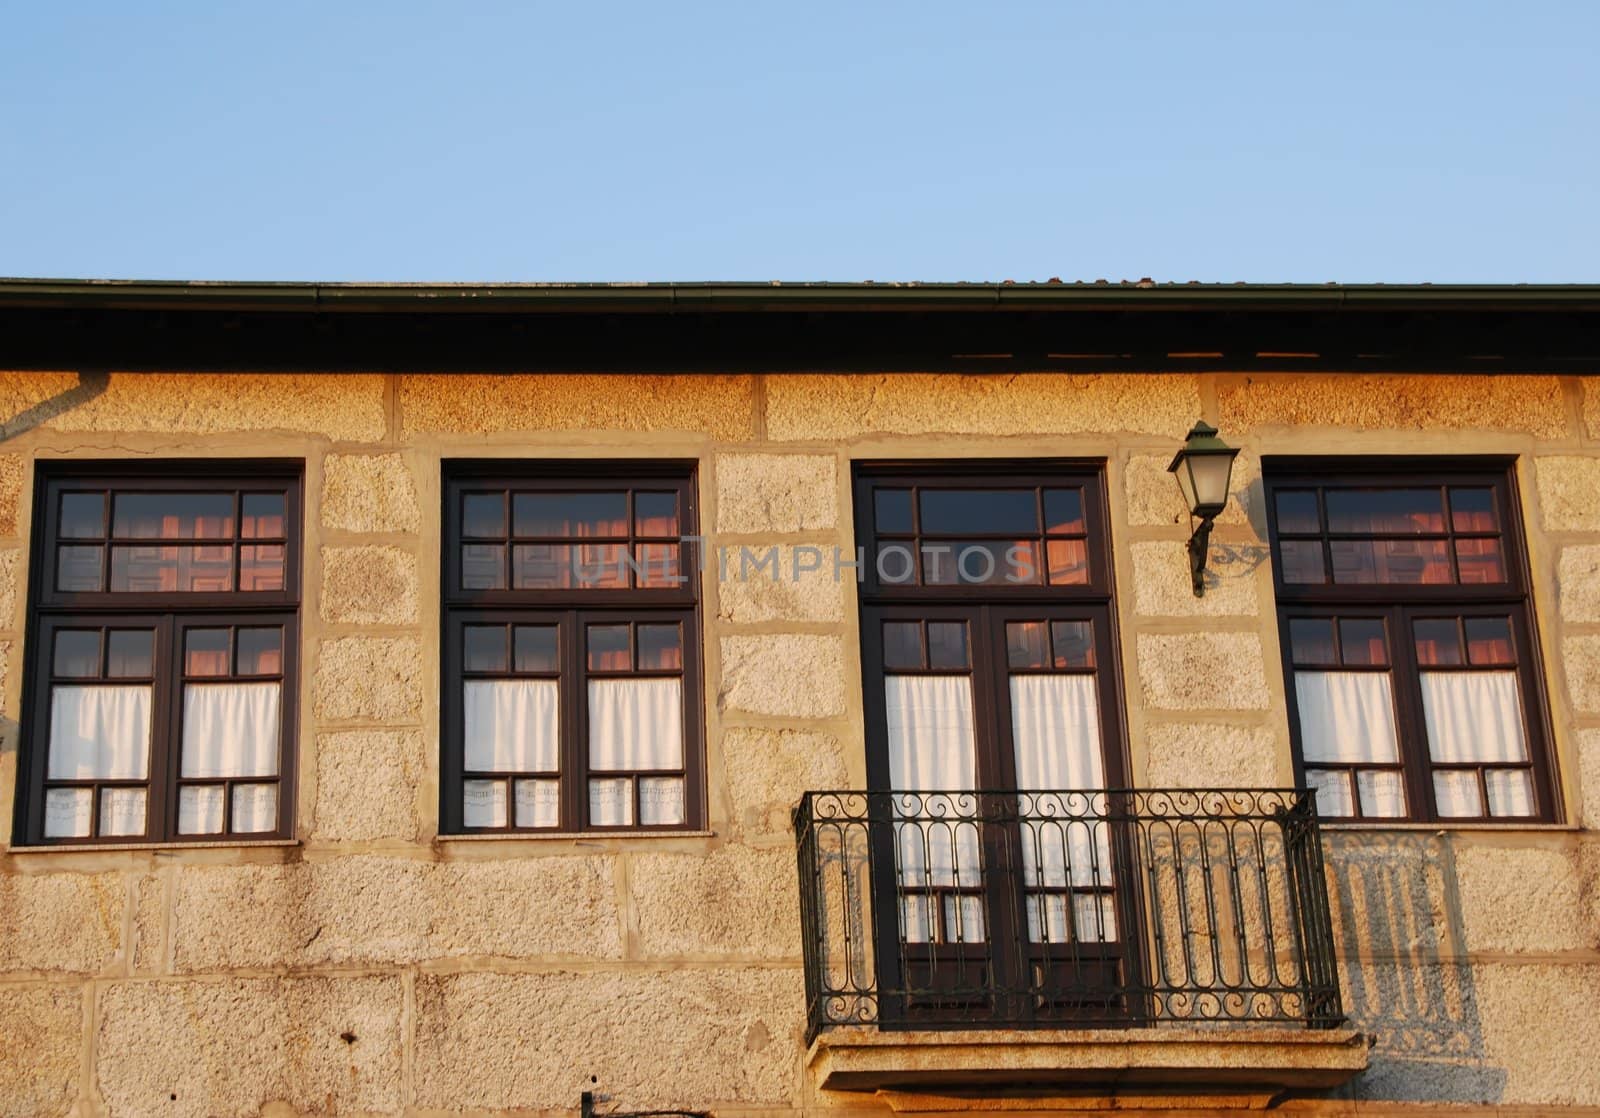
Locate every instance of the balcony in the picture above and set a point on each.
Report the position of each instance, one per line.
(1123, 942)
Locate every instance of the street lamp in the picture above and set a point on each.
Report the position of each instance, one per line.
(1203, 468)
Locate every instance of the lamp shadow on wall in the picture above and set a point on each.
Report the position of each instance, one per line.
(1403, 964)
(91, 383)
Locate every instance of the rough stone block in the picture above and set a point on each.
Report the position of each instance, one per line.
(42, 1027)
(148, 898)
(1389, 401)
(797, 675)
(10, 564)
(13, 481)
(1392, 895)
(768, 771)
(1541, 1028)
(797, 584)
(1504, 915)
(1197, 755)
(369, 493)
(777, 492)
(310, 1045)
(367, 785)
(61, 922)
(1203, 671)
(350, 407)
(377, 678)
(1578, 579)
(1580, 658)
(691, 1038)
(735, 901)
(840, 406)
(369, 586)
(1163, 586)
(1589, 777)
(722, 407)
(1569, 492)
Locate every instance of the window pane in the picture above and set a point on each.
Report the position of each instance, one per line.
(660, 648)
(611, 802)
(1382, 792)
(172, 516)
(260, 651)
(205, 652)
(255, 809)
(263, 516)
(511, 725)
(608, 648)
(1489, 641)
(1363, 642)
(122, 811)
(1311, 641)
(1063, 511)
(962, 511)
(985, 562)
(902, 645)
(947, 645)
(484, 648)
(483, 566)
(1438, 641)
(67, 812)
(1025, 645)
(1334, 799)
(535, 648)
(1510, 792)
(1297, 512)
(635, 724)
(656, 566)
(1346, 717)
(230, 729)
(1472, 510)
(1069, 561)
(200, 809)
(896, 564)
(1407, 562)
(130, 654)
(538, 803)
(1385, 511)
(78, 568)
(483, 803)
(569, 514)
(99, 733)
(186, 570)
(544, 566)
(1301, 561)
(1473, 716)
(655, 514)
(1456, 794)
(77, 653)
(892, 510)
(83, 515)
(1073, 643)
(1480, 562)
(261, 567)
(661, 801)
(483, 514)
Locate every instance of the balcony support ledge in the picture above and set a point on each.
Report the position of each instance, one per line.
(1228, 1067)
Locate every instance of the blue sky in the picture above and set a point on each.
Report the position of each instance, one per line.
(1394, 141)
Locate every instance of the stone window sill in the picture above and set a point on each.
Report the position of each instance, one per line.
(166, 847)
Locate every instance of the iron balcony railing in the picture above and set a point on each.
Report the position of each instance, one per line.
(1064, 909)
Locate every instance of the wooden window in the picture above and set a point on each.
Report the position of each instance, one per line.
(571, 649)
(1408, 640)
(161, 666)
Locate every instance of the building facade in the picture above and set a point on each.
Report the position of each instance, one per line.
(761, 699)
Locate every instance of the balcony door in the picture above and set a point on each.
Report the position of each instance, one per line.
(994, 727)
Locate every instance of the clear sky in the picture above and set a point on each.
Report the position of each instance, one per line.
(879, 139)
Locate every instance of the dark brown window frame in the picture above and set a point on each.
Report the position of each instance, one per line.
(571, 609)
(168, 613)
(1400, 604)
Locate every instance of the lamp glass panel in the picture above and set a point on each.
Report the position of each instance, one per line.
(1211, 473)
(1184, 474)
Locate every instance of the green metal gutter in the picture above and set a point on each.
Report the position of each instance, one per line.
(666, 298)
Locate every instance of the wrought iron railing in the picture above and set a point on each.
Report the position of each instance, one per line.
(1063, 909)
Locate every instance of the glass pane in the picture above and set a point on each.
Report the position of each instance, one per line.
(1069, 561)
(656, 566)
(902, 645)
(1297, 512)
(1383, 794)
(635, 724)
(1489, 641)
(1473, 716)
(260, 651)
(172, 516)
(200, 809)
(947, 645)
(984, 562)
(511, 725)
(1311, 641)
(1063, 511)
(1385, 511)
(660, 648)
(99, 733)
(67, 812)
(1456, 794)
(83, 515)
(130, 654)
(1334, 800)
(611, 802)
(1510, 792)
(569, 514)
(1301, 561)
(892, 510)
(186, 570)
(538, 803)
(1438, 641)
(1406, 562)
(1025, 645)
(655, 514)
(896, 564)
(1362, 642)
(122, 811)
(544, 566)
(1073, 643)
(608, 649)
(484, 648)
(261, 567)
(1480, 561)
(963, 919)
(661, 801)
(483, 566)
(78, 568)
(205, 652)
(77, 654)
(263, 516)
(535, 648)
(1346, 717)
(979, 511)
(483, 803)
(483, 514)
(1472, 510)
(230, 729)
(255, 809)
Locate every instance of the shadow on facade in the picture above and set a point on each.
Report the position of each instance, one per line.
(91, 383)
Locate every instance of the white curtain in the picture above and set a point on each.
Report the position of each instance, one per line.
(1476, 717)
(1055, 724)
(931, 748)
(99, 733)
(230, 729)
(635, 724)
(1346, 717)
(511, 725)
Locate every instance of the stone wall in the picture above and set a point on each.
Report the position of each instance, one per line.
(372, 967)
